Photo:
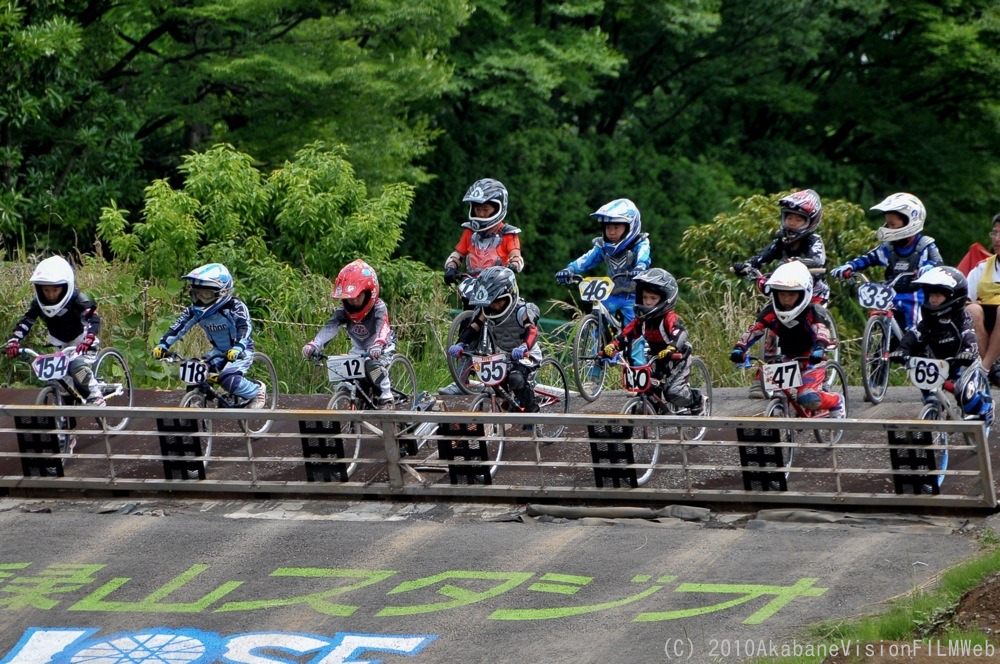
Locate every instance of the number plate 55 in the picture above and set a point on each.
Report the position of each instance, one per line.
(491, 369)
(595, 289)
(51, 367)
(927, 373)
(782, 376)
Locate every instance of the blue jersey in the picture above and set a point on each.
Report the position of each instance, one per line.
(227, 327)
(620, 266)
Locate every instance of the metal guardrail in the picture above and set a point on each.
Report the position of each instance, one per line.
(407, 454)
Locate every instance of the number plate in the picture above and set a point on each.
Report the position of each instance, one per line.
(491, 369)
(927, 373)
(783, 376)
(876, 296)
(51, 367)
(345, 367)
(193, 372)
(595, 289)
(637, 379)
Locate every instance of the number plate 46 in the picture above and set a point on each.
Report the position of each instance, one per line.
(595, 289)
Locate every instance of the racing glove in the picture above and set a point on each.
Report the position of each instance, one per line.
(456, 349)
(518, 353)
(234, 353)
(450, 276)
(817, 355)
(85, 345)
(738, 356)
(564, 276)
(842, 272)
(310, 350)
(13, 348)
(160, 351)
(375, 351)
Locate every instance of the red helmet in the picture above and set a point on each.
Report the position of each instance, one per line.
(355, 279)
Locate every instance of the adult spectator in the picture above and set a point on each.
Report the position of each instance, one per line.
(984, 291)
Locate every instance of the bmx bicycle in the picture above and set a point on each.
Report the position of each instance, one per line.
(204, 391)
(648, 399)
(781, 378)
(594, 331)
(880, 329)
(114, 379)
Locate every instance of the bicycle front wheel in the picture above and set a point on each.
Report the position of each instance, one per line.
(933, 411)
(835, 383)
(647, 451)
(262, 371)
(778, 408)
(196, 399)
(552, 395)
(701, 381)
(875, 359)
(588, 369)
(493, 434)
(404, 382)
(350, 431)
(460, 368)
(50, 396)
(115, 381)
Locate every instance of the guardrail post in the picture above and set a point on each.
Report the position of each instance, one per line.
(30, 441)
(913, 458)
(392, 453)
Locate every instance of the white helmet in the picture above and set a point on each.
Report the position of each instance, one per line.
(793, 277)
(912, 210)
(54, 271)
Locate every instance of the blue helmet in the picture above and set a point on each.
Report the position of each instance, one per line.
(619, 211)
(211, 287)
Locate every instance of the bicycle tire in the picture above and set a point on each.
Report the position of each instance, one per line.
(777, 408)
(644, 453)
(404, 382)
(934, 411)
(701, 380)
(113, 376)
(262, 370)
(552, 394)
(493, 433)
(835, 382)
(350, 431)
(50, 396)
(875, 359)
(197, 399)
(460, 368)
(589, 371)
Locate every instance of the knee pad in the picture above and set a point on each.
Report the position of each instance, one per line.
(809, 400)
(374, 370)
(230, 382)
(517, 380)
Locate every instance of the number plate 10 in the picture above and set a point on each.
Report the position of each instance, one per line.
(637, 379)
(782, 376)
(927, 373)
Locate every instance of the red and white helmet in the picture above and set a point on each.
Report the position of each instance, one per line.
(792, 276)
(357, 278)
(910, 207)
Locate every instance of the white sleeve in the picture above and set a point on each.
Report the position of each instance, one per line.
(974, 278)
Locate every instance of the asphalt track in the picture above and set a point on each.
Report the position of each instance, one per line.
(320, 581)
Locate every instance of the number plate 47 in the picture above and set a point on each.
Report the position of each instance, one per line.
(782, 376)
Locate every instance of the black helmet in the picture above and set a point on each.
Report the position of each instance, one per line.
(805, 203)
(486, 190)
(659, 281)
(492, 284)
(947, 280)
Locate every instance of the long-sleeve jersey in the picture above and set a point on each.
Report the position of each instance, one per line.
(809, 332)
(620, 266)
(481, 250)
(226, 327)
(809, 249)
(373, 329)
(665, 331)
(520, 326)
(73, 322)
(922, 253)
(941, 339)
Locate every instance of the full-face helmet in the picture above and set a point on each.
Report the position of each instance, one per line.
(211, 287)
(357, 278)
(947, 280)
(910, 207)
(790, 277)
(486, 190)
(659, 281)
(53, 271)
(619, 211)
(495, 284)
(805, 203)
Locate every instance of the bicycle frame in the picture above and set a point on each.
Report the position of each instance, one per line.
(67, 384)
(208, 387)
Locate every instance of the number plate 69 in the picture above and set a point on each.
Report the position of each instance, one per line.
(927, 373)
